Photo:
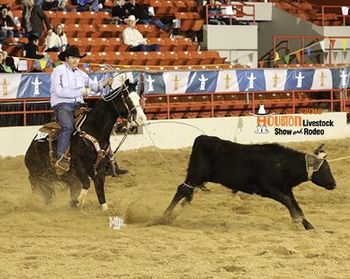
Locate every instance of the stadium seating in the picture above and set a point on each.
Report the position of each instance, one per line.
(101, 40)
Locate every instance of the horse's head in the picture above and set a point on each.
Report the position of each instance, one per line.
(127, 103)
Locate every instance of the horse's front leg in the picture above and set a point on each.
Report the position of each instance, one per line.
(84, 179)
(99, 182)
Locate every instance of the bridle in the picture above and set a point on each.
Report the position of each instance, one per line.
(101, 153)
(114, 93)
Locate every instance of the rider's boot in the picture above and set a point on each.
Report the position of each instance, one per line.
(63, 163)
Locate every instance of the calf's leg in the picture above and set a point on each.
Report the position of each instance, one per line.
(289, 201)
(183, 191)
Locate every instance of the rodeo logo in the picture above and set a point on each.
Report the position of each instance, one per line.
(285, 125)
(261, 128)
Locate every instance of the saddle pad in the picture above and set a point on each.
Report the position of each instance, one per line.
(41, 135)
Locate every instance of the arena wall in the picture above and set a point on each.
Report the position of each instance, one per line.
(169, 134)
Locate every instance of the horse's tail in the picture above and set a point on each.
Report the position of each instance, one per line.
(40, 171)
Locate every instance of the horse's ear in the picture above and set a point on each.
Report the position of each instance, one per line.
(127, 82)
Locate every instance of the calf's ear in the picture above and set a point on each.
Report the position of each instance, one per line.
(320, 153)
(318, 149)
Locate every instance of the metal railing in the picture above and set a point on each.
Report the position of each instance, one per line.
(239, 12)
(307, 42)
(170, 106)
(243, 103)
(337, 13)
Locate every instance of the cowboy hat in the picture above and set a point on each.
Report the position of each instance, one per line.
(70, 51)
(131, 18)
(4, 6)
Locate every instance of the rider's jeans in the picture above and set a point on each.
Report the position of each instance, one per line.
(64, 115)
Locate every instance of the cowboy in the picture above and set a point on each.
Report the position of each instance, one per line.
(134, 39)
(69, 85)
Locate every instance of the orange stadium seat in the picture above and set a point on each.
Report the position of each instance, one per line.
(159, 58)
(151, 58)
(165, 43)
(117, 44)
(89, 58)
(125, 58)
(183, 58)
(160, 7)
(170, 58)
(109, 30)
(101, 44)
(61, 17)
(80, 30)
(197, 25)
(148, 31)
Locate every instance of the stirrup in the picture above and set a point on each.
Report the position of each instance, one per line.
(62, 164)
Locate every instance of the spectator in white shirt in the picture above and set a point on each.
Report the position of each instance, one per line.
(134, 39)
(56, 40)
(230, 11)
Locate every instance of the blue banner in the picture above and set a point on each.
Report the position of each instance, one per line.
(37, 85)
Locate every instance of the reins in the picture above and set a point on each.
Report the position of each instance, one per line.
(122, 141)
(101, 153)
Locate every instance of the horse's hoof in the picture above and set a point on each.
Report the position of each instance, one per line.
(74, 203)
(104, 207)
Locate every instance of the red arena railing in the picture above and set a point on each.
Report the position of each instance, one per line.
(169, 106)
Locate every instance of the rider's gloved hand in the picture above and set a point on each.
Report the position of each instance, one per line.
(85, 91)
(107, 81)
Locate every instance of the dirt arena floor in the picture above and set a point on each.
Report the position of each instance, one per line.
(220, 235)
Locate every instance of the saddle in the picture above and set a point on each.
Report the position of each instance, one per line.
(52, 129)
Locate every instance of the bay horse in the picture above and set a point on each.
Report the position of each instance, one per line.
(86, 159)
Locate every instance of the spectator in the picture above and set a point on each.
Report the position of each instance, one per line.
(17, 28)
(62, 6)
(4, 68)
(33, 18)
(62, 35)
(144, 18)
(119, 12)
(48, 5)
(90, 5)
(228, 9)
(53, 5)
(213, 13)
(2, 60)
(55, 41)
(31, 48)
(134, 39)
(10, 63)
(7, 24)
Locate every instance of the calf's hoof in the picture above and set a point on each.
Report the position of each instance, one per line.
(307, 225)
